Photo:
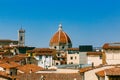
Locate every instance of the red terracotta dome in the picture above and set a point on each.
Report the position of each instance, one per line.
(60, 37)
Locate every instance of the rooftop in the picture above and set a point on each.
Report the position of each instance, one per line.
(60, 37)
(111, 46)
(94, 53)
(30, 68)
(49, 76)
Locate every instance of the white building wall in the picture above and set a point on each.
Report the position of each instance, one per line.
(74, 60)
(94, 59)
(45, 61)
(112, 56)
(90, 75)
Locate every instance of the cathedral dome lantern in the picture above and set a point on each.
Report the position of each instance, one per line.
(60, 40)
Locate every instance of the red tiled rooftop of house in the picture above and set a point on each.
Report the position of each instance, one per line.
(101, 73)
(94, 53)
(42, 51)
(7, 47)
(6, 53)
(16, 58)
(109, 46)
(30, 68)
(73, 49)
(9, 65)
(82, 70)
(113, 71)
(14, 64)
(49, 76)
(1, 53)
(4, 74)
(22, 55)
(4, 60)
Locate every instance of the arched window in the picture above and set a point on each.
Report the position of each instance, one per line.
(21, 38)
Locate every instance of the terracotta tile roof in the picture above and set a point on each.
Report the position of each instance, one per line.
(73, 49)
(109, 46)
(4, 60)
(14, 64)
(9, 65)
(101, 73)
(22, 55)
(24, 47)
(5, 75)
(6, 53)
(113, 71)
(7, 47)
(60, 37)
(1, 53)
(82, 70)
(30, 67)
(16, 58)
(94, 53)
(50, 76)
(43, 51)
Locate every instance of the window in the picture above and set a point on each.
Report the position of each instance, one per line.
(31, 54)
(40, 57)
(21, 38)
(57, 64)
(63, 47)
(71, 58)
(58, 54)
(55, 47)
(58, 58)
(75, 57)
(46, 56)
(100, 56)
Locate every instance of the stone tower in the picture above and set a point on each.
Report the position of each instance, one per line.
(21, 37)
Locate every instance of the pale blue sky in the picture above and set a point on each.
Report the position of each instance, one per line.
(93, 22)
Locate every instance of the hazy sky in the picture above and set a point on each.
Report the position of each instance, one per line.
(93, 22)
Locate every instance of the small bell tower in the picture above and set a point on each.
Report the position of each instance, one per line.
(21, 37)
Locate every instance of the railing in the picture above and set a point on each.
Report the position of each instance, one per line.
(73, 66)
